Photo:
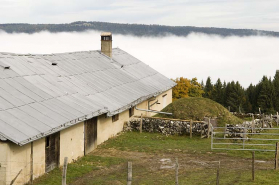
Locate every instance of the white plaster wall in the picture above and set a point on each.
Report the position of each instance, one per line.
(38, 158)
(160, 98)
(3, 162)
(158, 107)
(72, 143)
(107, 129)
(19, 159)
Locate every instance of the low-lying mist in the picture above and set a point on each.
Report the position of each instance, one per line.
(243, 59)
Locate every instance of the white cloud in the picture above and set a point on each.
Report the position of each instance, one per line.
(243, 59)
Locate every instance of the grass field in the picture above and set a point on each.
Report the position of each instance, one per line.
(197, 163)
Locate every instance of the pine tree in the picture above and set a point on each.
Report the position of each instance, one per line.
(208, 89)
(235, 96)
(217, 93)
(276, 91)
(266, 95)
(250, 105)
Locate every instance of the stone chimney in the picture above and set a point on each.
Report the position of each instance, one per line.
(106, 43)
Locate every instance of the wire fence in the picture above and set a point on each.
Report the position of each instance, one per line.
(242, 138)
(165, 171)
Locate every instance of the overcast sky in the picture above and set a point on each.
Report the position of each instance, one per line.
(251, 14)
(243, 59)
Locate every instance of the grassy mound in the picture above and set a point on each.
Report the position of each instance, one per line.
(197, 108)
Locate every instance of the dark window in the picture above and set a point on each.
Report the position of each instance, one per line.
(47, 141)
(115, 117)
(106, 38)
(131, 111)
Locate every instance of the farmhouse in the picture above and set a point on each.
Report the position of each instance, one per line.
(64, 105)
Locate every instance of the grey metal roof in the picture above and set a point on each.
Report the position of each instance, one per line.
(42, 94)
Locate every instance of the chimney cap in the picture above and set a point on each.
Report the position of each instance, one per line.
(106, 34)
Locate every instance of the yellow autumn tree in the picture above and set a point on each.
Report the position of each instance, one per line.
(186, 88)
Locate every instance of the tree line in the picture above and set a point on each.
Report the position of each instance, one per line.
(131, 29)
(262, 97)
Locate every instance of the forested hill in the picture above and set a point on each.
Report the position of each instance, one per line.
(131, 29)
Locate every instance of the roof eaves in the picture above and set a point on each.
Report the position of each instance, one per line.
(2, 138)
(62, 127)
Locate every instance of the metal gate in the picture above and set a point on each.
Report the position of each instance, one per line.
(243, 138)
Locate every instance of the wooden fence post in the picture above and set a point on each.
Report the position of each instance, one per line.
(141, 123)
(176, 171)
(276, 156)
(225, 131)
(191, 128)
(253, 124)
(129, 179)
(208, 129)
(277, 119)
(217, 175)
(253, 165)
(271, 120)
(64, 180)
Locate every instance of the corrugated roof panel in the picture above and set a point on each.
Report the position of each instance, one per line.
(18, 124)
(27, 89)
(46, 119)
(29, 121)
(47, 87)
(14, 92)
(12, 133)
(17, 66)
(45, 98)
(10, 98)
(57, 116)
(4, 104)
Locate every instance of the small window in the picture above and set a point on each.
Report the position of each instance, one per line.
(47, 141)
(131, 111)
(115, 117)
(106, 38)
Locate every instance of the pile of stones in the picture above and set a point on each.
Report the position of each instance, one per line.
(168, 127)
(241, 131)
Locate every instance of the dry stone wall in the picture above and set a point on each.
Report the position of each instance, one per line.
(168, 127)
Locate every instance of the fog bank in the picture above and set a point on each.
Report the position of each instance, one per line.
(243, 59)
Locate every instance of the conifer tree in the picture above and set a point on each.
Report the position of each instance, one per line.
(217, 93)
(208, 89)
(276, 91)
(266, 95)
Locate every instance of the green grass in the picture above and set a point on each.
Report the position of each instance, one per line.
(155, 144)
(79, 168)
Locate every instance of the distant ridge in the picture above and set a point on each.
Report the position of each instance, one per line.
(132, 29)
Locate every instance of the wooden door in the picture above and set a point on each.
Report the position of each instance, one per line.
(52, 151)
(90, 135)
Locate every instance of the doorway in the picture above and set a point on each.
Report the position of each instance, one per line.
(52, 151)
(90, 135)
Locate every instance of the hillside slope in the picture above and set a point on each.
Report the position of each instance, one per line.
(197, 108)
